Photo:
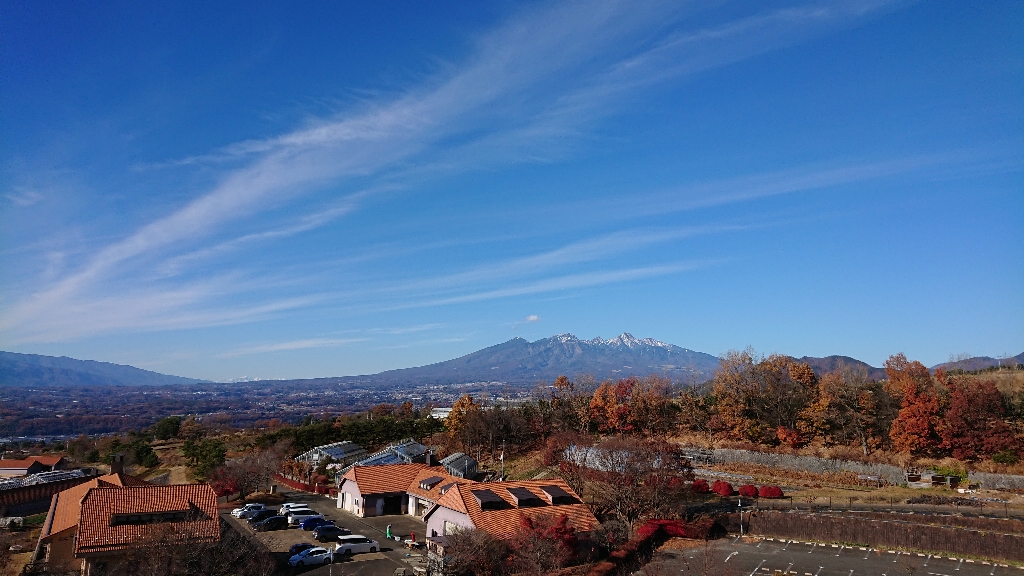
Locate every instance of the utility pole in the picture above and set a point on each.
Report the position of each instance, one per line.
(502, 460)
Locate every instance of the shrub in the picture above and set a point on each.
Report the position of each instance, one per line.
(770, 492)
(748, 491)
(722, 488)
(700, 486)
(1005, 457)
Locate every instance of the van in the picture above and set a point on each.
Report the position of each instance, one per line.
(355, 544)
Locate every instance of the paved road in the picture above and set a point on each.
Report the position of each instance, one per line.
(750, 557)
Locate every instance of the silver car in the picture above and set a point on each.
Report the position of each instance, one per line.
(311, 557)
(247, 510)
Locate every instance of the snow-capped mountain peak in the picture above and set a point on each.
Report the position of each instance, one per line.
(625, 339)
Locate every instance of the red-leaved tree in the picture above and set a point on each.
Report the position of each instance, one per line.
(973, 425)
(700, 486)
(722, 488)
(543, 545)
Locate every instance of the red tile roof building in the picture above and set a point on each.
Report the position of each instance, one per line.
(91, 523)
(498, 508)
(448, 503)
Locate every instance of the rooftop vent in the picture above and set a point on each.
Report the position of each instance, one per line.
(557, 496)
(524, 498)
(429, 483)
(488, 500)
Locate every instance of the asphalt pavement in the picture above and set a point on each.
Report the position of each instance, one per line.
(753, 556)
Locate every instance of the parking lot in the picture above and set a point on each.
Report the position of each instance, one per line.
(392, 554)
(750, 557)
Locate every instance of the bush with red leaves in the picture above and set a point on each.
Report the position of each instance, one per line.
(722, 488)
(748, 491)
(770, 492)
(700, 486)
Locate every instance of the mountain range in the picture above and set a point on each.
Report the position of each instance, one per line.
(30, 370)
(517, 362)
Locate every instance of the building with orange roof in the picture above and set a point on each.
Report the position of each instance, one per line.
(14, 468)
(90, 523)
(377, 490)
(499, 508)
(427, 488)
(31, 465)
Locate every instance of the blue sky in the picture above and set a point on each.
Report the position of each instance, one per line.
(270, 190)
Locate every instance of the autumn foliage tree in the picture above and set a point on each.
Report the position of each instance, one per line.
(973, 425)
(543, 545)
(915, 429)
(462, 412)
(762, 399)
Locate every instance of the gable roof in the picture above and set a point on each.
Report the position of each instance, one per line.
(47, 460)
(505, 522)
(383, 479)
(67, 505)
(10, 464)
(99, 531)
(434, 492)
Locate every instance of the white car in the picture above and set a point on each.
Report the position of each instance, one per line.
(297, 515)
(247, 510)
(311, 557)
(355, 544)
(288, 506)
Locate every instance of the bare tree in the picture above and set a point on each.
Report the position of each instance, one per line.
(169, 550)
(253, 471)
(472, 552)
(639, 477)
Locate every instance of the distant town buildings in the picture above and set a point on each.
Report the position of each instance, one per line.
(440, 413)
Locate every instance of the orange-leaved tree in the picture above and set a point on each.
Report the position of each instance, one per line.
(915, 429)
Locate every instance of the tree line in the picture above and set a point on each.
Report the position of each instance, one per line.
(770, 402)
(776, 400)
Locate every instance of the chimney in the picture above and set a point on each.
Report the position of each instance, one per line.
(117, 463)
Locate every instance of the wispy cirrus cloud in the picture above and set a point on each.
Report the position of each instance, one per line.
(290, 345)
(23, 197)
(529, 89)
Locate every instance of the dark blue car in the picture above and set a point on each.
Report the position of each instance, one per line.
(296, 548)
(314, 523)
